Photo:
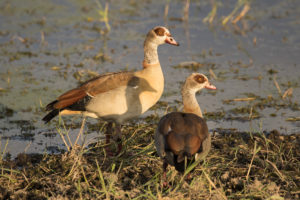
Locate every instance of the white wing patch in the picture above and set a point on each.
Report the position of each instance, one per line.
(169, 129)
(196, 156)
(90, 95)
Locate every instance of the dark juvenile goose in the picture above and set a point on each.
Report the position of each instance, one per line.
(184, 134)
(118, 97)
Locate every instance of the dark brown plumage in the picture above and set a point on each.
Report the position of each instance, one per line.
(182, 134)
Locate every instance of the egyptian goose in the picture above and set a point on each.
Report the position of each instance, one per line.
(121, 96)
(182, 137)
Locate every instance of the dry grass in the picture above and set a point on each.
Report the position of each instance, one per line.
(240, 165)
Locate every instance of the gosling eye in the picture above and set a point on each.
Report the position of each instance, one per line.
(199, 79)
(159, 31)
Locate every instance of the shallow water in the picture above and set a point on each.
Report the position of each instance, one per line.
(46, 45)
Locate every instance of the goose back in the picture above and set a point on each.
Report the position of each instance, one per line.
(181, 135)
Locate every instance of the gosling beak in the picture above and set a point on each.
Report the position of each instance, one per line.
(210, 86)
(172, 41)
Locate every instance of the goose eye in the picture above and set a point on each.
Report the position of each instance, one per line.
(159, 31)
(199, 79)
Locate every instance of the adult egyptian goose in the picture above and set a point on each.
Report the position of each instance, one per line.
(182, 137)
(118, 97)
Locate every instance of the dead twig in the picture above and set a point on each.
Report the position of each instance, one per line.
(255, 151)
(277, 85)
(186, 10)
(166, 12)
(80, 132)
(211, 16)
(245, 99)
(214, 186)
(288, 92)
(251, 112)
(281, 176)
(213, 74)
(242, 13)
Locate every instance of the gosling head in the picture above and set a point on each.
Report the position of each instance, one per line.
(196, 82)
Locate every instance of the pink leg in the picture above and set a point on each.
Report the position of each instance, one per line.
(188, 177)
(107, 138)
(165, 182)
(119, 138)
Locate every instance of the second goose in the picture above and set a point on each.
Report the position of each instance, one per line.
(182, 137)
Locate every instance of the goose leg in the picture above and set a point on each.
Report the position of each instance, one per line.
(188, 176)
(165, 182)
(107, 138)
(119, 138)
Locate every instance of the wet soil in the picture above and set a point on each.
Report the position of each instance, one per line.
(239, 165)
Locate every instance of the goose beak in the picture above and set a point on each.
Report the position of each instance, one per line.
(172, 41)
(210, 87)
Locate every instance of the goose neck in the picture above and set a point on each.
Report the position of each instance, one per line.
(150, 53)
(190, 103)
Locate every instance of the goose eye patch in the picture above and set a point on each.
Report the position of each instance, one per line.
(160, 31)
(200, 79)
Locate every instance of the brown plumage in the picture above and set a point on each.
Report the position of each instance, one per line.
(118, 97)
(181, 135)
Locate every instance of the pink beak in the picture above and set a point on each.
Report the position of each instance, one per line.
(172, 41)
(210, 87)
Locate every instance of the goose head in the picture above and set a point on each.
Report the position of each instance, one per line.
(196, 82)
(160, 35)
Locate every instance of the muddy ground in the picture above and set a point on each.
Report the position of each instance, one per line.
(239, 166)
